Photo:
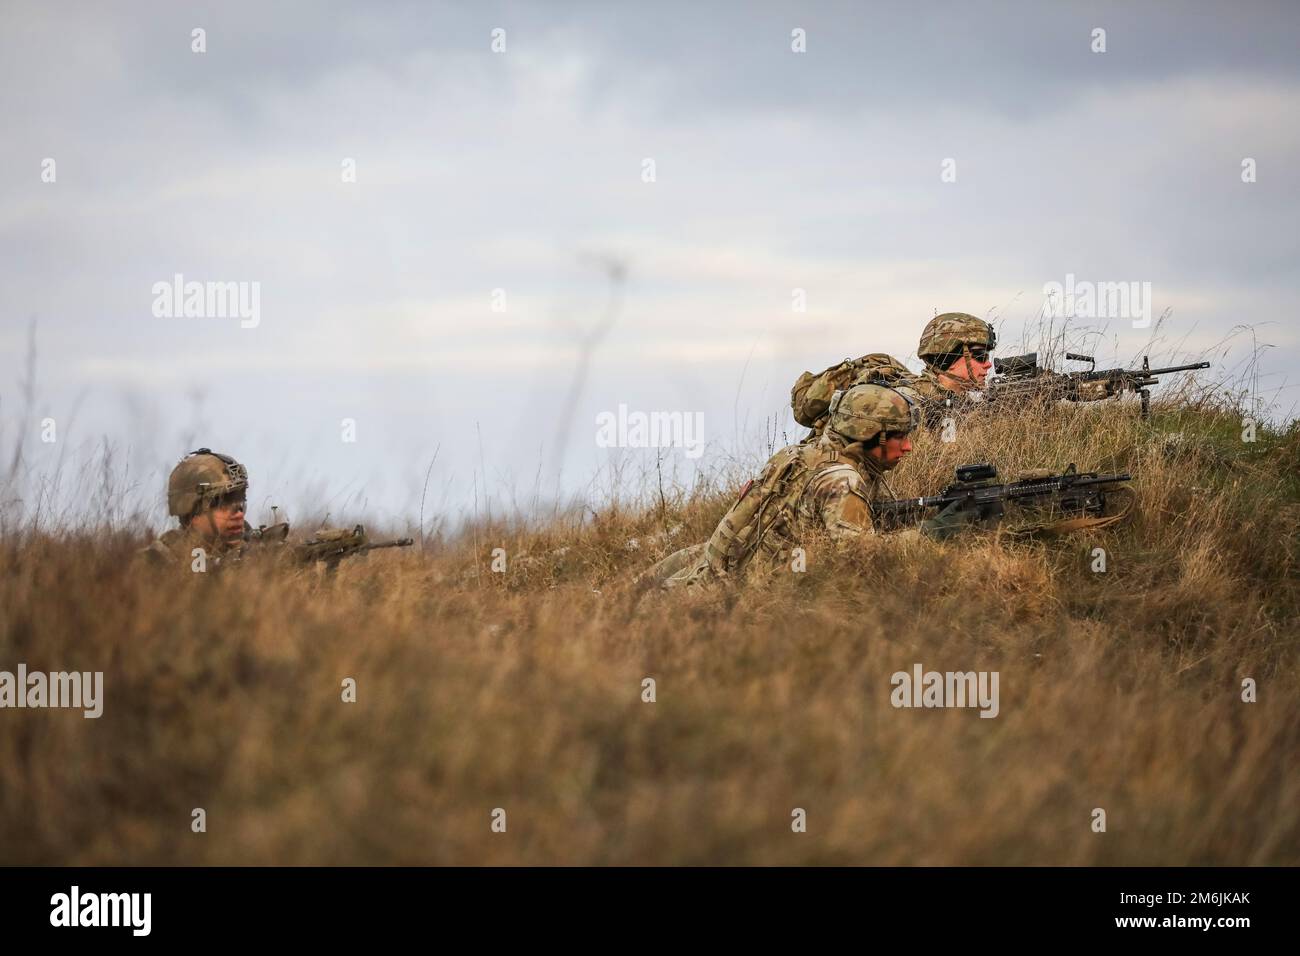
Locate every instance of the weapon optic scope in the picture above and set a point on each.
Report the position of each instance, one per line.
(970, 473)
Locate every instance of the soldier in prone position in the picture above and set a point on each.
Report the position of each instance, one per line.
(826, 483)
(955, 348)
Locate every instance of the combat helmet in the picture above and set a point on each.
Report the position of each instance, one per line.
(864, 411)
(946, 334)
(202, 476)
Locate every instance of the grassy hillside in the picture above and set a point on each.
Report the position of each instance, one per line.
(523, 691)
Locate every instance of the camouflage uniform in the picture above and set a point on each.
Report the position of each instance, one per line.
(943, 335)
(200, 479)
(175, 549)
(827, 484)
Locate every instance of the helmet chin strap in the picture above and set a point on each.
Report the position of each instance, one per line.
(878, 469)
(967, 382)
(212, 523)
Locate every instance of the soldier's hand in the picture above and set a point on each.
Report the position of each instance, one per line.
(952, 520)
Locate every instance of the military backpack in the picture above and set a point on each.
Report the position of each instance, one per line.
(810, 399)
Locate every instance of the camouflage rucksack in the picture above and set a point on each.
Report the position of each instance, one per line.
(764, 515)
(811, 396)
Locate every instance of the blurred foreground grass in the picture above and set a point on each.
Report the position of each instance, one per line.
(523, 690)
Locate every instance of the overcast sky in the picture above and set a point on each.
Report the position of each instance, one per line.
(523, 171)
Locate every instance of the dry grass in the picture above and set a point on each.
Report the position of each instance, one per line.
(523, 690)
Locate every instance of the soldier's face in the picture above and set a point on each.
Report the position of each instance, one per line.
(892, 450)
(973, 366)
(224, 521)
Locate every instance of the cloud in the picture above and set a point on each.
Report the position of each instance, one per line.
(476, 171)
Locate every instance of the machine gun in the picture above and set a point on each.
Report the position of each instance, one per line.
(1020, 376)
(976, 490)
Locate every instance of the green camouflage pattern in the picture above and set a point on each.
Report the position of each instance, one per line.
(812, 394)
(667, 568)
(839, 498)
(826, 485)
(864, 411)
(810, 398)
(949, 332)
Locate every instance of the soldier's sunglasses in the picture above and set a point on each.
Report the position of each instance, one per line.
(234, 501)
(978, 352)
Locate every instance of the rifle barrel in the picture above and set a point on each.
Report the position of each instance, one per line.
(1175, 368)
(1134, 372)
